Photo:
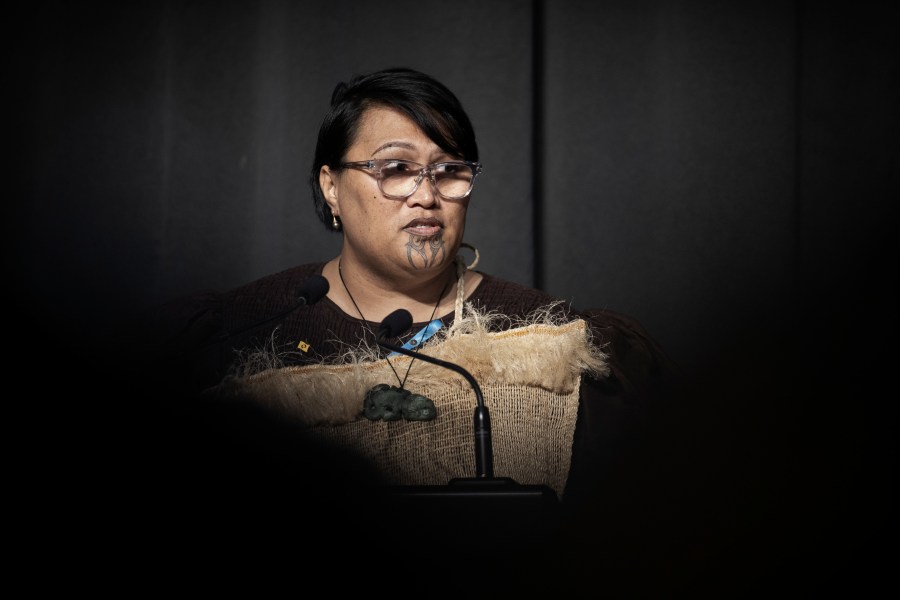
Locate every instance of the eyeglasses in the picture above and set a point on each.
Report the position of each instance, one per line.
(399, 179)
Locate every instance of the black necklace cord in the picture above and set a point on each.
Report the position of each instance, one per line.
(414, 355)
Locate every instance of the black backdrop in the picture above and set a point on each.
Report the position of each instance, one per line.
(724, 172)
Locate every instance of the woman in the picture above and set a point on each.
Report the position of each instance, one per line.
(394, 171)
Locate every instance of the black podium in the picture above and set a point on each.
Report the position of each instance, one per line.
(495, 512)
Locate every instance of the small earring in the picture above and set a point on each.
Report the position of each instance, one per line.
(335, 224)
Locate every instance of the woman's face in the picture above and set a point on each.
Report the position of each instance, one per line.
(420, 232)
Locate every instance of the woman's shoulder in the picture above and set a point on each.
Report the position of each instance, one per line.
(506, 297)
(271, 287)
(634, 355)
(199, 314)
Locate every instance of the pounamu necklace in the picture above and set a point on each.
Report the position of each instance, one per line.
(390, 402)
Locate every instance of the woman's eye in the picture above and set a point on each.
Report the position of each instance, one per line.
(450, 169)
(396, 168)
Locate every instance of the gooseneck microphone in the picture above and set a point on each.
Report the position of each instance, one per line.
(397, 323)
(487, 509)
(311, 290)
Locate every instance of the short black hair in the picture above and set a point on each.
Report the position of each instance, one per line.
(425, 100)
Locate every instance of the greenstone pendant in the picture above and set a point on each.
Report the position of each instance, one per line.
(391, 403)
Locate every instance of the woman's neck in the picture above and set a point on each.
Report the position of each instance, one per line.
(362, 293)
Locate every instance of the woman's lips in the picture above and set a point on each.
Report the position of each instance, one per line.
(424, 227)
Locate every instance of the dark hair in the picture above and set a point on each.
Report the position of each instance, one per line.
(428, 102)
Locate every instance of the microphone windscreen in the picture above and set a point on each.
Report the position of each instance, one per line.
(395, 324)
(313, 289)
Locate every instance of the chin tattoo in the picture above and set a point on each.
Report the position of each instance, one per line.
(425, 252)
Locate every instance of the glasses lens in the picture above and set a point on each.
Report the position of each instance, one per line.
(398, 178)
(452, 179)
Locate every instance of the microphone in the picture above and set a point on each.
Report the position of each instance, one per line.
(494, 510)
(312, 289)
(398, 322)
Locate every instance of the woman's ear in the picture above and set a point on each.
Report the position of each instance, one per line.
(328, 183)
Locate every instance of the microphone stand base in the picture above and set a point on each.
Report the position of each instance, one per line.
(497, 510)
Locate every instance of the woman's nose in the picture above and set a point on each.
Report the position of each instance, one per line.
(425, 194)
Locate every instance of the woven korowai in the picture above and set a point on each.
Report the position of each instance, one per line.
(529, 376)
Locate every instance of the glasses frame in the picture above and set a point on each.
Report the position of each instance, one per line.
(375, 165)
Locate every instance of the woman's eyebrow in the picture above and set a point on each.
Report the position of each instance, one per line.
(394, 144)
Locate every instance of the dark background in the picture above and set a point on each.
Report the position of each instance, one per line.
(726, 172)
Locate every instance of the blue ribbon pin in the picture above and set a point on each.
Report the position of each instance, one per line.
(424, 333)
